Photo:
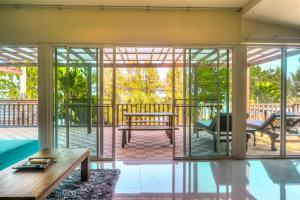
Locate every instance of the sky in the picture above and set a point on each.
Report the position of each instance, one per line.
(293, 64)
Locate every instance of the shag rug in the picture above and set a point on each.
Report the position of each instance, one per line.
(101, 185)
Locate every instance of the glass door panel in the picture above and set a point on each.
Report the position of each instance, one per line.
(107, 136)
(225, 78)
(81, 107)
(293, 102)
(82, 117)
(75, 98)
(60, 122)
(181, 108)
(205, 103)
(264, 104)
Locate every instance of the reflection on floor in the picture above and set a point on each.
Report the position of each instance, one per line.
(226, 179)
(149, 145)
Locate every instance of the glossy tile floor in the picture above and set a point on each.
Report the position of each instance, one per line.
(225, 179)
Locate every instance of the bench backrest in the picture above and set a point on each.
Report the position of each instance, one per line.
(224, 117)
(274, 120)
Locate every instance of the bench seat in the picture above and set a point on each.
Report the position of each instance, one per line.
(124, 129)
(147, 128)
(149, 121)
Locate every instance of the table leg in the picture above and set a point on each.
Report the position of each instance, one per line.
(171, 130)
(129, 136)
(129, 121)
(123, 138)
(85, 169)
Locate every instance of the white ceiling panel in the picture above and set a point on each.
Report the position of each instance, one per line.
(281, 12)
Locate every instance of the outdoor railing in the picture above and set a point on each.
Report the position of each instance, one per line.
(18, 112)
(263, 111)
(25, 112)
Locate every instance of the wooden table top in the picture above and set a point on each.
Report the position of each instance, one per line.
(148, 114)
(36, 184)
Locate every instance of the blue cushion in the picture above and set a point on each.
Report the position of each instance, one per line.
(12, 151)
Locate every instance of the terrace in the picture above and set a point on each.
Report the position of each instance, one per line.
(18, 117)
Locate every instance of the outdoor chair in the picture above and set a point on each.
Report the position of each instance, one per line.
(210, 126)
(271, 126)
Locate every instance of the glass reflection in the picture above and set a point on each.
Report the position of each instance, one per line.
(228, 179)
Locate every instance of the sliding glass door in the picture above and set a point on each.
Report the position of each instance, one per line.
(204, 103)
(292, 115)
(81, 110)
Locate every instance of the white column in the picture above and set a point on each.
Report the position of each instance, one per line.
(239, 102)
(45, 110)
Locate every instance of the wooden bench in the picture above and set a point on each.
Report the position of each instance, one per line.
(150, 121)
(39, 184)
(124, 129)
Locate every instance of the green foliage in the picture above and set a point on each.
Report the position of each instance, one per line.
(10, 84)
(264, 85)
(293, 86)
(178, 84)
(138, 85)
(32, 83)
(76, 84)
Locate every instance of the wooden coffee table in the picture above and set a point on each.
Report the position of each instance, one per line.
(39, 184)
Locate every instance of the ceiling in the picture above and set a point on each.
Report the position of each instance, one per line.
(164, 3)
(281, 12)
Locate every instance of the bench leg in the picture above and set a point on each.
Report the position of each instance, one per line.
(215, 143)
(273, 139)
(247, 139)
(168, 133)
(129, 136)
(85, 172)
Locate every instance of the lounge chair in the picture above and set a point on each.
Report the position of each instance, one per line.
(210, 126)
(271, 126)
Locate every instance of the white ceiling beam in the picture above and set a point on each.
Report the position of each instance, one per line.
(249, 6)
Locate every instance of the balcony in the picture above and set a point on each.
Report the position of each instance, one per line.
(18, 120)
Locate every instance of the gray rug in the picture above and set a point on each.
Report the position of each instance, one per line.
(101, 185)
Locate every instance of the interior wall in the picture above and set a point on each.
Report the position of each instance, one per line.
(260, 32)
(52, 25)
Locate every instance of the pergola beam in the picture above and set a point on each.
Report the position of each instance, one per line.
(90, 53)
(273, 58)
(10, 55)
(107, 57)
(205, 57)
(263, 54)
(160, 53)
(151, 57)
(121, 54)
(178, 57)
(136, 55)
(11, 70)
(77, 55)
(258, 51)
(165, 57)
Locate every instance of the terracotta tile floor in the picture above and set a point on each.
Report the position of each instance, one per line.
(147, 144)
